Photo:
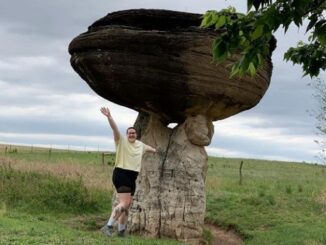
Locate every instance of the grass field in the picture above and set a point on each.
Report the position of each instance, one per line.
(63, 197)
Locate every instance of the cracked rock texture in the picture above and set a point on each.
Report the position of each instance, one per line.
(170, 195)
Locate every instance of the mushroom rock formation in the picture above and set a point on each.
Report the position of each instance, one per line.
(159, 63)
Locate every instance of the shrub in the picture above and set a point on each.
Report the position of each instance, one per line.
(207, 236)
(271, 199)
(44, 192)
(288, 189)
(13, 151)
(300, 188)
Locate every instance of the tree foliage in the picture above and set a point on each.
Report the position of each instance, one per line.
(251, 33)
(319, 87)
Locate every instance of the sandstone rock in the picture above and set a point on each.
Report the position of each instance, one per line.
(199, 130)
(160, 61)
(170, 195)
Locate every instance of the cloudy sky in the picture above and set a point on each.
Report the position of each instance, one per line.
(44, 102)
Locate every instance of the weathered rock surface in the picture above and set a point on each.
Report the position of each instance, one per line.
(170, 195)
(160, 64)
(160, 61)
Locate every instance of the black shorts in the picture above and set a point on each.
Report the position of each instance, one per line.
(124, 180)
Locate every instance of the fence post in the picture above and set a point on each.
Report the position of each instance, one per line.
(240, 172)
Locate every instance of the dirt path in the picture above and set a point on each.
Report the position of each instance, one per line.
(223, 237)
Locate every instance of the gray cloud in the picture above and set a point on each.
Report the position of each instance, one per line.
(58, 108)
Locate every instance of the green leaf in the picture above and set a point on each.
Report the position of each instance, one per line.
(252, 69)
(322, 39)
(320, 32)
(257, 33)
(260, 60)
(220, 51)
(320, 25)
(286, 25)
(244, 62)
(297, 20)
(208, 19)
(313, 20)
(221, 21)
(235, 70)
(231, 10)
(257, 3)
(287, 54)
(249, 4)
(204, 21)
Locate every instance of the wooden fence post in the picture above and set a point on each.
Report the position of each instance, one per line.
(240, 172)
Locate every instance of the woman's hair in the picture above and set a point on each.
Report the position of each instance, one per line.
(131, 128)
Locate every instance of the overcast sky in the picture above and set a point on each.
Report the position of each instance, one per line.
(44, 102)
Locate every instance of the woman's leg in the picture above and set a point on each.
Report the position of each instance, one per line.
(123, 219)
(124, 200)
(124, 182)
(124, 216)
(122, 211)
(124, 204)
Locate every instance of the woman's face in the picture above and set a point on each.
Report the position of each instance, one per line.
(131, 135)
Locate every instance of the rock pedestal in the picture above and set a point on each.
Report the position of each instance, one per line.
(170, 197)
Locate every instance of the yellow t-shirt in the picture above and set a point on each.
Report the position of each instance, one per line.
(129, 155)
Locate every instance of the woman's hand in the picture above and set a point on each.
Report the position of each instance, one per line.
(105, 111)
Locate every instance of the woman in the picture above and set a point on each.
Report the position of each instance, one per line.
(129, 152)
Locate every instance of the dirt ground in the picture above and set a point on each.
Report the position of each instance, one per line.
(223, 237)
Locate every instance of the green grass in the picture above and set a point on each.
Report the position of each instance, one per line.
(31, 191)
(24, 228)
(56, 156)
(277, 202)
(39, 208)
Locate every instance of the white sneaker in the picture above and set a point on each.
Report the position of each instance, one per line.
(107, 230)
